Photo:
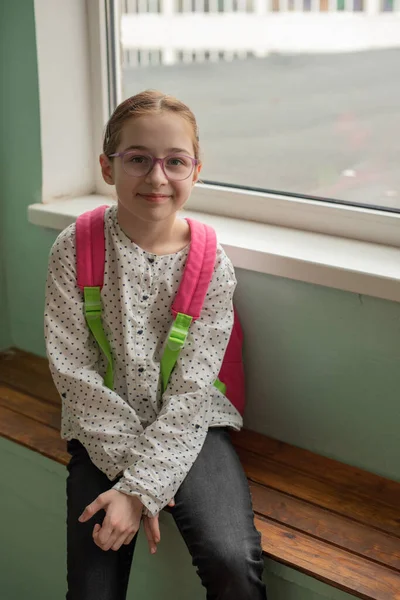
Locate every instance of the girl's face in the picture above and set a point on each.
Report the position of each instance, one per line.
(152, 197)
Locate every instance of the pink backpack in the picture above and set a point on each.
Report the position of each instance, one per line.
(186, 307)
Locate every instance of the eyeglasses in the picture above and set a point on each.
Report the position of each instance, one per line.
(176, 167)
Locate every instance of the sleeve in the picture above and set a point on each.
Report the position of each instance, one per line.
(99, 418)
(164, 453)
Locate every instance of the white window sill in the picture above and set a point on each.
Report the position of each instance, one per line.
(341, 263)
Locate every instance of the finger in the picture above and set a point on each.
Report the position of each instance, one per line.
(112, 539)
(119, 542)
(171, 503)
(93, 508)
(129, 539)
(149, 535)
(106, 531)
(95, 535)
(155, 529)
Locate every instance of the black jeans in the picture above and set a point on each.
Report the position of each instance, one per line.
(214, 515)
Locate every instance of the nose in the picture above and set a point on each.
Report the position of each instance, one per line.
(156, 177)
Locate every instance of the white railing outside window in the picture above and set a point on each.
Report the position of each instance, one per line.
(170, 32)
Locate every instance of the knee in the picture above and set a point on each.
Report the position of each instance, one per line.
(235, 563)
(235, 572)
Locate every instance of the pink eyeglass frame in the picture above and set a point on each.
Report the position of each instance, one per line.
(195, 161)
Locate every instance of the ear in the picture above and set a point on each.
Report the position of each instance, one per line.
(197, 173)
(106, 169)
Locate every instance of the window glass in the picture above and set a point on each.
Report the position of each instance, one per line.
(299, 96)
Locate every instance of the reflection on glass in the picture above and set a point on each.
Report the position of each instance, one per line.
(298, 96)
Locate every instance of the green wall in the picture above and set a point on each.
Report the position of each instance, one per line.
(5, 337)
(25, 246)
(322, 367)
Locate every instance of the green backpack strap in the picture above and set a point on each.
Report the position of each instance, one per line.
(90, 259)
(93, 310)
(175, 342)
(190, 297)
(220, 386)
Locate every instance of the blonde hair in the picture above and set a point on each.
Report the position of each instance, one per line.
(146, 103)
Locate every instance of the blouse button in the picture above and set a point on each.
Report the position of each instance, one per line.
(140, 331)
(140, 369)
(145, 297)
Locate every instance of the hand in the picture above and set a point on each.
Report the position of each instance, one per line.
(152, 530)
(122, 520)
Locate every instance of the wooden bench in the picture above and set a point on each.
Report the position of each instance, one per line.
(326, 519)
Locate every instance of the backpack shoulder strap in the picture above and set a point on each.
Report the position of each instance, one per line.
(198, 270)
(192, 291)
(90, 260)
(90, 248)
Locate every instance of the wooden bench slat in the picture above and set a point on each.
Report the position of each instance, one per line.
(28, 373)
(33, 435)
(43, 412)
(329, 564)
(360, 482)
(322, 493)
(326, 526)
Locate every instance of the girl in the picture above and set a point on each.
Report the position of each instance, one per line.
(134, 450)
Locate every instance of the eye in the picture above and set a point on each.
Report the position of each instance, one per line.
(137, 159)
(177, 161)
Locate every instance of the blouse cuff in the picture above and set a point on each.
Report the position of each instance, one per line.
(150, 508)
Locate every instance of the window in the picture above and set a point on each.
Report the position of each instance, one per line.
(294, 97)
(76, 99)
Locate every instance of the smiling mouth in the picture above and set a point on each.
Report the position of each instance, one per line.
(154, 196)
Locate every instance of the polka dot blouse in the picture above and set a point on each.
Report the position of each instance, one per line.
(149, 438)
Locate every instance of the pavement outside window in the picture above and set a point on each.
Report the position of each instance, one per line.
(327, 125)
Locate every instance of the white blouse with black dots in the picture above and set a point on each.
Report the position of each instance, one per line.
(152, 440)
